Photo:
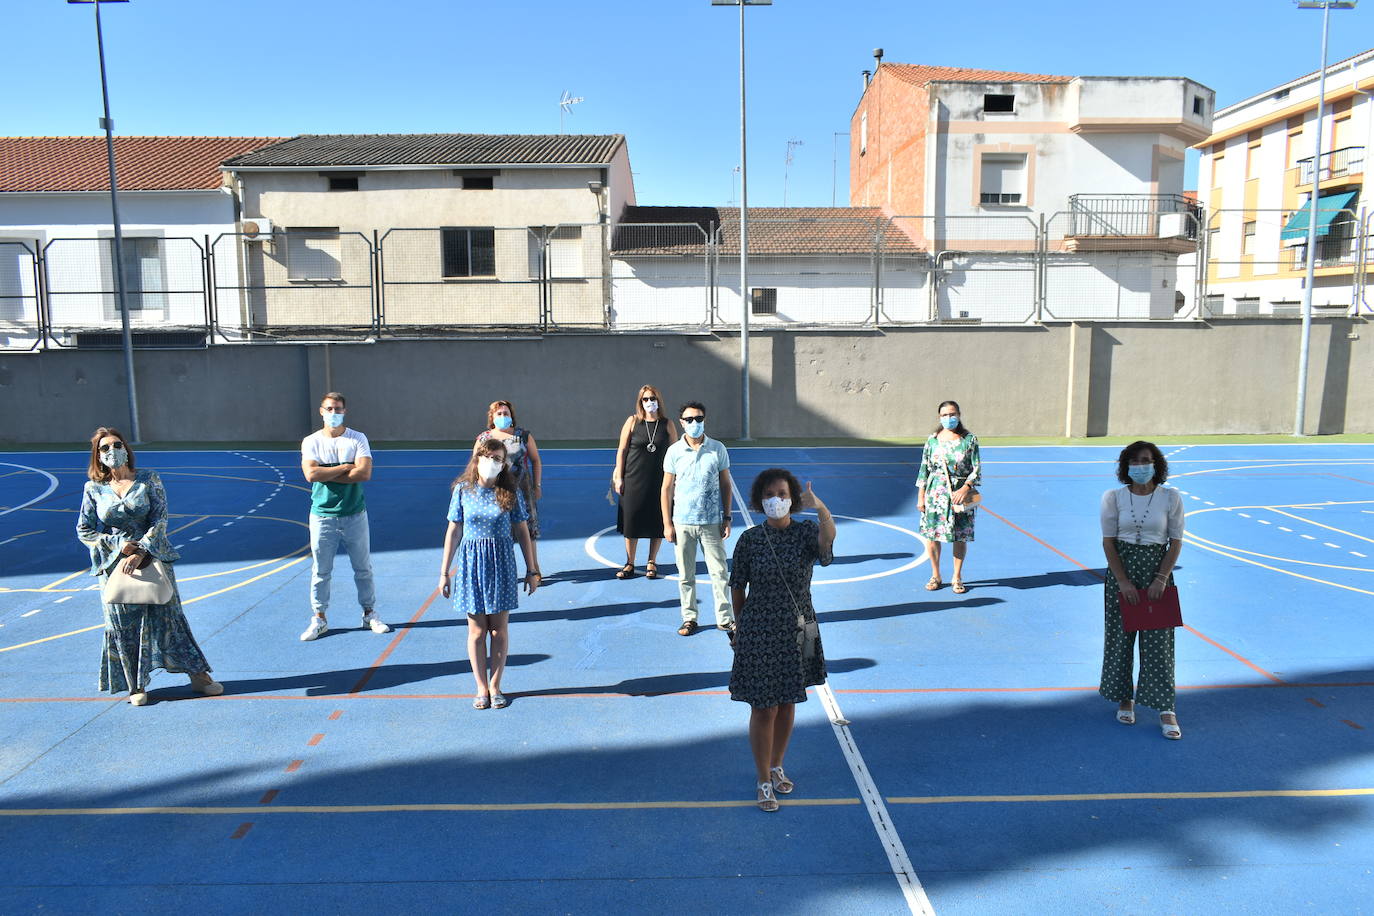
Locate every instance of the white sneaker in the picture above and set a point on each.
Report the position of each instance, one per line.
(318, 627)
(374, 623)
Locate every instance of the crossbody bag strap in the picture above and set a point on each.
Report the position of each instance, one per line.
(782, 575)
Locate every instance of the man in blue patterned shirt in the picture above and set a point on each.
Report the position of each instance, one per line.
(696, 511)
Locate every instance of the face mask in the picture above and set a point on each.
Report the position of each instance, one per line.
(776, 507)
(651, 406)
(488, 468)
(115, 457)
(950, 422)
(694, 429)
(333, 420)
(503, 422)
(1141, 473)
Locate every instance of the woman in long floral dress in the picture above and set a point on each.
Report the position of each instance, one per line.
(123, 520)
(950, 474)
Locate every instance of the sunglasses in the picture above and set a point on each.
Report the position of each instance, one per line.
(647, 400)
(109, 445)
(698, 417)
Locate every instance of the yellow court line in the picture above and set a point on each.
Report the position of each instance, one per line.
(387, 809)
(272, 483)
(1191, 538)
(1320, 525)
(1129, 796)
(1287, 572)
(52, 585)
(25, 645)
(230, 588)
(187, 525)
(26, 534)
(230, 572)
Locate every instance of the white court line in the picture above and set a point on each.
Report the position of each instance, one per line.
(1356, 553)
(1289, 530)
(1329, 544)
(52, 485)
(900, 862)
(60, 600)
(1263, 522)
(1243, 515)
(32, 612)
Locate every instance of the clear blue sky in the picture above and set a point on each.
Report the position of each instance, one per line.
(662, 72)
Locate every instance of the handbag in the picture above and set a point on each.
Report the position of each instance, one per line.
(149, 584)
(1162, 613)
(971, 499)
(808, 629)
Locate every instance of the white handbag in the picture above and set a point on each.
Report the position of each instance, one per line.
(150, 584)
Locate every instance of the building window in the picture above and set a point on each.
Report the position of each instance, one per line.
(565, 252)
(477, 179)
(1248, 234)
(763, 300)
(313, 254)
(343, 183)
(145, 276)
(1003, 179)
(1280, 95)
(997, 103)
(1247, 305)
(468, 252)
(1199, 106)
(1213, 304)
(863, 133)
(1252, 154)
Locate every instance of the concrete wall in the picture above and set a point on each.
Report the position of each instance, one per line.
(1079, 379)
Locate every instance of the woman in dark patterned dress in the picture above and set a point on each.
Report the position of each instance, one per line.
(638, 478)
(776, 658)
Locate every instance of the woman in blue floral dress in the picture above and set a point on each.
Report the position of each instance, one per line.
(486, 516)
(123, 520)
(950, 474)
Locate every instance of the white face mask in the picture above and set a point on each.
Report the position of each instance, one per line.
(776, 507)
(488, 468)
(116, 457)
(651, 406)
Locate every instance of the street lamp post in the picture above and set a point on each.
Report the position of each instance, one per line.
(1326, 6)
(743, 224)
(121, 286)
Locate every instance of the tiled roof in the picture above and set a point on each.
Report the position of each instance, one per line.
(772, 230)
(923, 74)
(141, 163)
(328, 150)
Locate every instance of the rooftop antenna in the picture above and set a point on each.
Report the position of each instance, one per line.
(565, 104)
(787, 166)
(734, 178)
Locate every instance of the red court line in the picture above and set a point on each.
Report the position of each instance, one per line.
(396, 641)
(314, 740)
(1207, 639)
(335, 714)
(1352, 724)
(242, 831)
(1316, 704)
(294, 765)
(267, 797)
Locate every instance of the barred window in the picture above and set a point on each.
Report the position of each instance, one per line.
(468, 252)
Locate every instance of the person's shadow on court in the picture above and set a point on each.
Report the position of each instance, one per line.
(683, 683)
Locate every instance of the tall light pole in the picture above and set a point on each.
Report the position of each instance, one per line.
(121, 286)
(1326, 6)
(745, 304)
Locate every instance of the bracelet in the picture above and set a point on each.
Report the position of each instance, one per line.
(533, 572)
(1164, 576)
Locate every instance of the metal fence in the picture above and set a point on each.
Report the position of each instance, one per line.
(1104, 258)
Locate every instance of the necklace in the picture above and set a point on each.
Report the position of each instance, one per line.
(654, 432)
(1140, 522)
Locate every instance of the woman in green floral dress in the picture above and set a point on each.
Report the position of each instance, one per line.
(950, 475)
(123, 521)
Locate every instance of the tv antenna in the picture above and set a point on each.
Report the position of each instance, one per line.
(787, 166)
(565, 104)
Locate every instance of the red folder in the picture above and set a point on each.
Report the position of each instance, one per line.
(1159, 614)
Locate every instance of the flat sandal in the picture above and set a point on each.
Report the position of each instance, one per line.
(626, 572)
(651, 570)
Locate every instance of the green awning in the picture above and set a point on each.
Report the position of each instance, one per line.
(1329, 206)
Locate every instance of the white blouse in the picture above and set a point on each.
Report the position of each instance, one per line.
(1153, 519)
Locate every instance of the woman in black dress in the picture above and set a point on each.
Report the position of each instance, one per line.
(644, 439)
(777, 643)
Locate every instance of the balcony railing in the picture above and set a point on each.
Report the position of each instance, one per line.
(1338, 163)
(1129, 215)
(1339, 249)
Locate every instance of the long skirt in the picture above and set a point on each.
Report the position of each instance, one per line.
(140, 638)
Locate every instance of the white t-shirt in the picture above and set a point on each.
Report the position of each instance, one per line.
(345, 448)
(1158, 516)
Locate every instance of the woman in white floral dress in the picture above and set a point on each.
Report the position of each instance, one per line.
(950, 475)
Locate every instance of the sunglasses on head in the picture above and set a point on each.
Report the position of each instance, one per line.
(109, 445)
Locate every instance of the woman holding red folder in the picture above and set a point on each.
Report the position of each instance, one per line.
(1142, 536)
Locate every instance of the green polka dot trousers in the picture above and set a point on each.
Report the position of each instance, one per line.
(1156, 685)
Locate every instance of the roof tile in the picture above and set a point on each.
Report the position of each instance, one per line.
(329, 150)
(141, 163)
(924, 74)
(772, 230)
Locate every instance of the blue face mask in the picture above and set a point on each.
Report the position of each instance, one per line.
(1141, 473)
(503, 422)
(333, 420)
(950, 422)
(694, 429)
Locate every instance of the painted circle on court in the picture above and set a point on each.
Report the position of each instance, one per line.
(52, 485)
(917, 560)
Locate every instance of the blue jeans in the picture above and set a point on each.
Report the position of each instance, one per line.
(327, 535)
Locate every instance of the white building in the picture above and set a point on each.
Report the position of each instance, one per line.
(1256, 183)
(55, 220)
(980, 165)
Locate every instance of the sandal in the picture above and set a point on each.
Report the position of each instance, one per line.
(1126, 714)
(481, 701)
(767, 801)
(1170, 730)
(651, 570)
(781, 784)
(688, 628)
(933, 584)
(626, 572)
(499, 701)
(958, 587)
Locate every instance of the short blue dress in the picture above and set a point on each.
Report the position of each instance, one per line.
(486, 580)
